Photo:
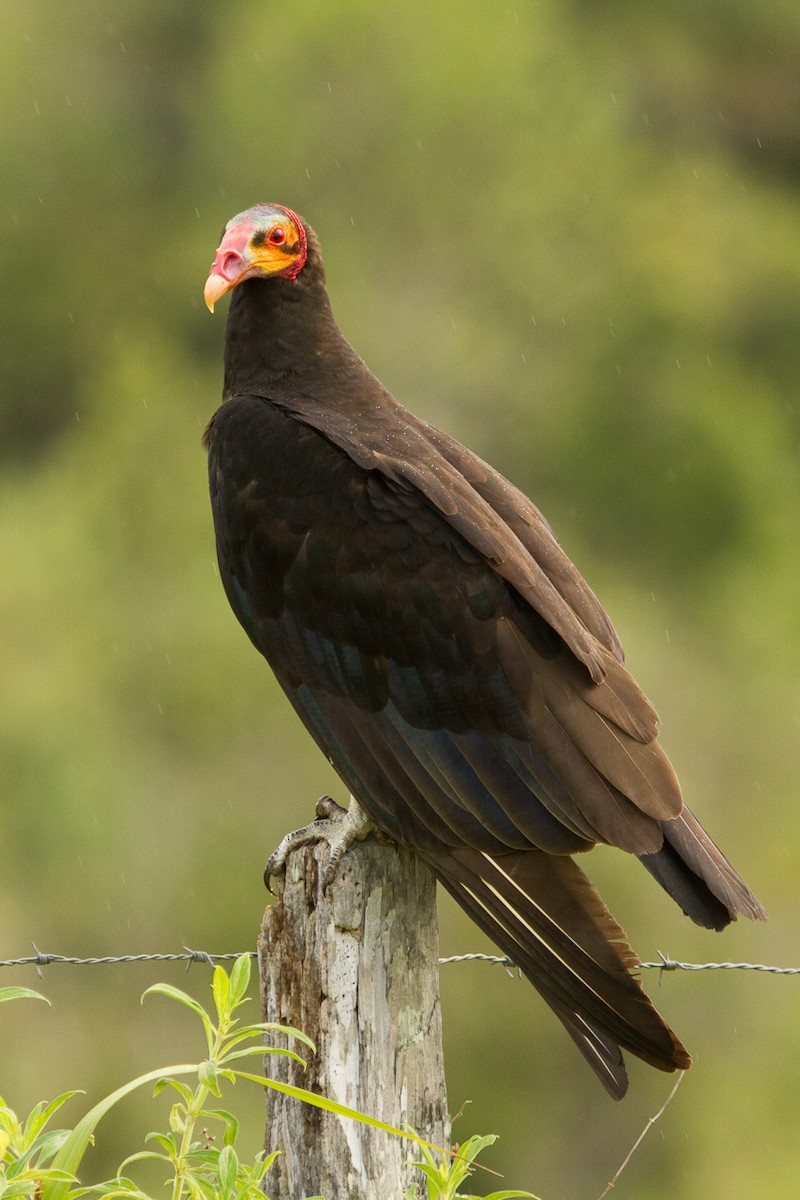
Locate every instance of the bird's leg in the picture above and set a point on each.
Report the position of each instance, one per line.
(333, 824)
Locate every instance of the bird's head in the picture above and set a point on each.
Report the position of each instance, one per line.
(262, 241)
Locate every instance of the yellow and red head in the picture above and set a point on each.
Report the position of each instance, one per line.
(263, 241)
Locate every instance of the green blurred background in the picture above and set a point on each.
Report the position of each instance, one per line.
(570, 234)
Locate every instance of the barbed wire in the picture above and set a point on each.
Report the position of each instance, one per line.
(670, 964)
(40, 959)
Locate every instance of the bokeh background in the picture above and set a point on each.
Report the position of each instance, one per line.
(570, 234)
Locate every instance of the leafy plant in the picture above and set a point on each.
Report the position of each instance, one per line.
(444, 1178)
(199, 1169)
(42, 1163)
(26, 1148)
(35, 1162)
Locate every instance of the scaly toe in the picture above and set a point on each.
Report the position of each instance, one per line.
(337, 826)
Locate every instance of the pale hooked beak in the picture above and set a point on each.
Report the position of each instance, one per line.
(228, 268)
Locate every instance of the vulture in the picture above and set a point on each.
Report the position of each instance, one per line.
(442, 650)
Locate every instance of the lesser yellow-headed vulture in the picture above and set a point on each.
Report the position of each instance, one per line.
(442, 650)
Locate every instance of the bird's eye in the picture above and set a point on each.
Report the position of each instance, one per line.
(276, 236)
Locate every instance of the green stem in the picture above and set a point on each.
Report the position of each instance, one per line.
(195, 1108)
(192, 1112)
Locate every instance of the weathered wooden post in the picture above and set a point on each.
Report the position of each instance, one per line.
(356, 968)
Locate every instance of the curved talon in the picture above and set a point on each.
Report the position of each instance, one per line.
(337, 826)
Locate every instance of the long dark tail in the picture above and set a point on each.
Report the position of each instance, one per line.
(543, 912)
(698, 876)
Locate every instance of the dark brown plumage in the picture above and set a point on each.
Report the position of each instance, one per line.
(442, 650)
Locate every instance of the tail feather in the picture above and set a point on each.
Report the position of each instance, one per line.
(544, 913)
(698, 876)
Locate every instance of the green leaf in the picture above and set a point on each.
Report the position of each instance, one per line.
(230, 1121)
(46, 1145)
(341, 1110)
(27, 1184)
(173, 993)
(228, 1167)
(200, 1189)
(289, 1030)
(260, 1028)
(208, 1075)
(503, 1196)
(183, 1091)
(71, 1153)
(166, 989)
(249, 1033)
(140, 1155)
(262, 1165)
(221, 988)
(177, 1118)
(167, 1140)
(113, 1187)
(444, 1178)
(20, 993)
(477, 1144)
(240, 979)
(258, 1052)
(41, 1114)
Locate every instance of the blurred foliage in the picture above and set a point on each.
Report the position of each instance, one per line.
(570, 234)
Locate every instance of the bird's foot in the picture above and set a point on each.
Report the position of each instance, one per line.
(337, 826)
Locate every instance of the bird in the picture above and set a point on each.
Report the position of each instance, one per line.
(442, 650)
